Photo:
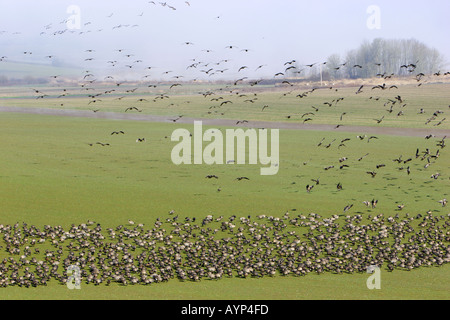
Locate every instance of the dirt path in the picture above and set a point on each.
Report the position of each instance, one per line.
(409, 132)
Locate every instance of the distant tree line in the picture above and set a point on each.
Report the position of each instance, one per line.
(6, 81)
(399, 57)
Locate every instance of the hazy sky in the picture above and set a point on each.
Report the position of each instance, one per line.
(274, 31)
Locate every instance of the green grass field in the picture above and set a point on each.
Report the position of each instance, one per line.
(246, 102)
(50, 174)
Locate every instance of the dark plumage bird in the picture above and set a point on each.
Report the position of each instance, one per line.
(379, 120)
(320, 143)
(348, 207)
(103, 144)
(360, 89)
(372, 173)
(132, 108)
(374, 203)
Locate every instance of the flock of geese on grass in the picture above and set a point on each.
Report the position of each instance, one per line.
(220, 247)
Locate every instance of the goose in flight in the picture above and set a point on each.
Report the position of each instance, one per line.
(320, 143)
(290, 62)
(360, 89)
(363, 157)
(175, 120)
(382, 87)
(379, 120)
(242, 79)
(374, 203)
(348, 207)
(289, 68)
(372, 173)
(307, 113)
(133, 108)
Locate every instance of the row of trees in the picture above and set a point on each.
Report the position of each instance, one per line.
(381, 56)
(6, 81)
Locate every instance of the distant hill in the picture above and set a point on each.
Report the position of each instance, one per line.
(10, 70)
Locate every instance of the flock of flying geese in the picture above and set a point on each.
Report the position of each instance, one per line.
(89, 80)
(424, 156)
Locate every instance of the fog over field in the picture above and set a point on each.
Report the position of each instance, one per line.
(188, 38)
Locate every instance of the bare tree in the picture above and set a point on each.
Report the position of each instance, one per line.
(385, 57)
(335, 67)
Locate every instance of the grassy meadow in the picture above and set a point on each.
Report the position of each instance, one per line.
(51, 175)
(406, 106)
